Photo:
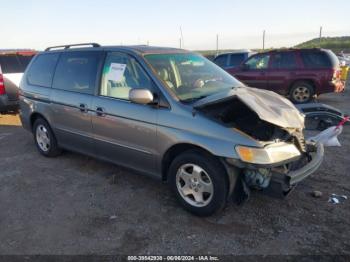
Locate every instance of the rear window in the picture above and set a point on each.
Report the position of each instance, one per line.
(316, 60)
(10, 64)
(14, 63)
(221, 60)
(284, 61)
(42, 70)
(237, 59)
(77, 72)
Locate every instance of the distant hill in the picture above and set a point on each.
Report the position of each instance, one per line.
(336, 44)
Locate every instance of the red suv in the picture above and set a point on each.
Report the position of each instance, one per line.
(297, 73)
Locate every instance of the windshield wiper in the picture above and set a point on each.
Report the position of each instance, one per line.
(192, 99)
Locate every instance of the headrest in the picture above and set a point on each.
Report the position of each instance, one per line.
(163, 73)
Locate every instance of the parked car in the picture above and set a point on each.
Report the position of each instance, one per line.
(299, 74)
(232, 59)
(12, 65)
(344, 59)
(168, 113)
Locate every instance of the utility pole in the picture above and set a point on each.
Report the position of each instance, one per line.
(263, 40)
(320, 37)
(182, 38)
(180, 42)
(217, 44)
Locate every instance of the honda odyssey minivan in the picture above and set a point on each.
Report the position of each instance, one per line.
(169, 113)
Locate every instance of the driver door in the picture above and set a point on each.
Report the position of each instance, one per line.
(254, 71)
(124, 132)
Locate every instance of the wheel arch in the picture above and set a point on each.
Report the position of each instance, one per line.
(34, 116)
(175, 150)
(310, 81)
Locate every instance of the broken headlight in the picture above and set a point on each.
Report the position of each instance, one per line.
(270, 154)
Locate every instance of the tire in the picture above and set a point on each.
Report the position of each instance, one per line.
(44, 138)
(207, 174)
(301, 92)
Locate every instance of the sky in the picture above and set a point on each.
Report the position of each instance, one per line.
(37, 24)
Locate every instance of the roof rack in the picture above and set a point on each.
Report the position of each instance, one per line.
(73, 45)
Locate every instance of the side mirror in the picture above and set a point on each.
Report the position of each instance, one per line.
(245, 67)
(141, 96)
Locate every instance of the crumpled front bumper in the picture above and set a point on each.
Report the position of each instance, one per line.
(316, 158)
(284, 176)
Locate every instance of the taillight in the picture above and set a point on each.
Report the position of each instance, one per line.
(336, 74)
(2, 84)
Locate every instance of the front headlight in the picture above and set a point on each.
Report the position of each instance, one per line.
(268, 155)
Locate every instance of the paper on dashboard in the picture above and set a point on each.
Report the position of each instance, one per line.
(116, 72)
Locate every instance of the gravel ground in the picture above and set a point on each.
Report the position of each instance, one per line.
(72, 205)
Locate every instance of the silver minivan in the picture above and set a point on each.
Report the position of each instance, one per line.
(169, 113)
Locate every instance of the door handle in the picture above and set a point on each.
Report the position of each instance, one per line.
(100, 111)
(83, 108)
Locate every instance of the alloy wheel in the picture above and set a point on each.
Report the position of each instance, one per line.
(194, 185)
(42, 138)
(301, 94)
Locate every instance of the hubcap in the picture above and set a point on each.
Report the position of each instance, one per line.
(194, 185)
(301, 94)
(42, 138)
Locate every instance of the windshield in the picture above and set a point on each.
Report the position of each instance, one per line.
(191, 76)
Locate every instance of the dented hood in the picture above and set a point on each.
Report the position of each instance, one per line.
(268, 105)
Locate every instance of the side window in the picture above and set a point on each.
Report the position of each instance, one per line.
(121, 73)
(221, 60)
(315, 60)
(284, 61)
(258, 61)
(236, 59)
(77, 72)
(42, 70)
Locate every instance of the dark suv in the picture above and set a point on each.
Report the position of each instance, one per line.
(297, 73)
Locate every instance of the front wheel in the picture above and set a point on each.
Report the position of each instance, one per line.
(200, 182)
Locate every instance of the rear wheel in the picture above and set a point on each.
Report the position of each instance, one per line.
(200, 182)
(44, 138)
(301, 92)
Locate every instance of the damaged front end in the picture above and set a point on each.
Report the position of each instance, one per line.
(284, 158)
(278, 179)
